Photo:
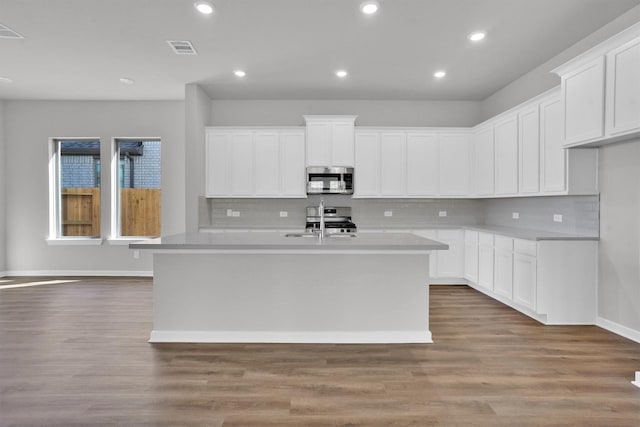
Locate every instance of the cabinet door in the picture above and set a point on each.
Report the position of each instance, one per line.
(266, 152)
(392, 172)
(451, 262)
(454, 165)
(484, 161)
(506, 140)
(217, 163)
(433, 256)
(342, 144)
(583, 98)
(292, 169)
(471, 255)
(241, 163)
(422, 165)
(319, 135)
(485, 267)
(554, 161)
(503, 266)
(529, 150)
(524, 280)
(367, 168)
(623, 89)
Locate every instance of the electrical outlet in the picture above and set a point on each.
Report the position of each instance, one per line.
(388, 213)
(235, 213)
(136, 254)
(229, 212)
(442, 213)
(284, 214)
(557, 218)
(515, 215)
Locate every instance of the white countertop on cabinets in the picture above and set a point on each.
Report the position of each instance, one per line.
(277, 240)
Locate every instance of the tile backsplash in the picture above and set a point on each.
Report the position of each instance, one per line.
(580, 214)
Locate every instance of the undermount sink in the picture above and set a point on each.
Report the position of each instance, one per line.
(327, 236)
(301, 235)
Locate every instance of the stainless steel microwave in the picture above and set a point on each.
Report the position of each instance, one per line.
(334, 180)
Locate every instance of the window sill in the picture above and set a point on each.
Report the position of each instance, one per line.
(77, 241)
(124, 241)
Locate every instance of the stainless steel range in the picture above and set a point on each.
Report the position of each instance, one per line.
(336, 220)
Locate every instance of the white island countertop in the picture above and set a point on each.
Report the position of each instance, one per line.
(275, 240)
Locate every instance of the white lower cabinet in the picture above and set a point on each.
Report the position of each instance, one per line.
(449, 264)
(485, 261)
(471, 255)
(553, 281)
(503, 266)
(524, 273)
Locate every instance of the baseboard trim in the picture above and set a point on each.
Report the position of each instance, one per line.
(289, 337)
(448, 281)
(77, 273)
(618, 329)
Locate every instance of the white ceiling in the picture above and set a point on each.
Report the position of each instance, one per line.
(290, 49)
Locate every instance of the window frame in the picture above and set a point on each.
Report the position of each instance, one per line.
(116, 238)
(55, 199)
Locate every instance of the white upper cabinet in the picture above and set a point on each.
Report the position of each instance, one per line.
(367, 170)
(454, 164)
(267, 153)
(394, 162)
(529, 150)
(292, 160)
(422, 164)
(601, 92)
(330, 140)
(506, 143)
(583, 97)
(242, 162)
(623, 89)
(552, 152)
(483, 149)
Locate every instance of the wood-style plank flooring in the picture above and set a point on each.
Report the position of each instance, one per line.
(77, 354)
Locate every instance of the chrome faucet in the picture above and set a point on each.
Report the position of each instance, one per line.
(321, 213)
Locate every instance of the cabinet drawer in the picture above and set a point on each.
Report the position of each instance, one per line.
(525, 247)
(503, 243)
(485, 239)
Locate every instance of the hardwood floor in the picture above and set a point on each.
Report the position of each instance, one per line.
(76, 354)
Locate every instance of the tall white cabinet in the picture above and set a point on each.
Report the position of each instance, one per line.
(255, 162)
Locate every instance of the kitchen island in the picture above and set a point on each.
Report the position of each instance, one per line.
(270, 287)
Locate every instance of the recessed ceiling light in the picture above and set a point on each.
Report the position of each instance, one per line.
(341, 73)
(439, 74)
(477, 36)
(126, 81)
(369, 7)
(204, 7)
(5, 80)
(239, 73)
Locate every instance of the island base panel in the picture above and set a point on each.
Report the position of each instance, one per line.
(318, 298)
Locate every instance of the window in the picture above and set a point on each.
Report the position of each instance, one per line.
(74, 188)
(136, 173)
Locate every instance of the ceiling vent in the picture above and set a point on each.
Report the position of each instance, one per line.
(182, 47)
(8, 33)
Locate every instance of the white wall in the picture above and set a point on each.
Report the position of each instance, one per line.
(2, 194)
(541, 79)
(369, 112)
(29, 124)
(619, 265)
(197, 116)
